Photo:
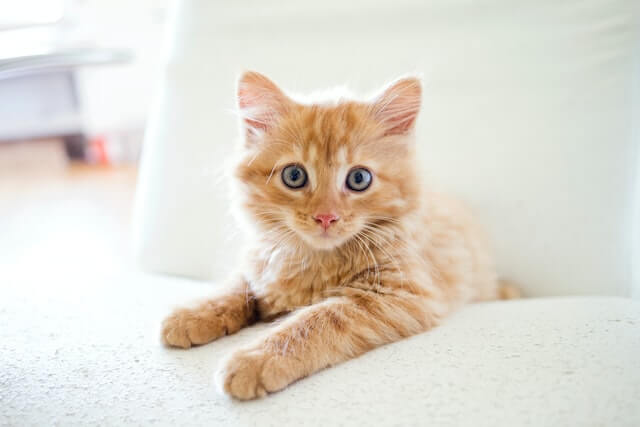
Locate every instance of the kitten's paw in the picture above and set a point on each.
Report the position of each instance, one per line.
(186, 327)
(249, 374)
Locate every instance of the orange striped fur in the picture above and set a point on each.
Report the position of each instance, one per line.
(398, 259)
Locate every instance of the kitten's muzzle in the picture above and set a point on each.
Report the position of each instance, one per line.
(325, 220)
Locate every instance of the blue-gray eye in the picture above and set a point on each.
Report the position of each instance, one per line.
(359, 179)
(294, 176)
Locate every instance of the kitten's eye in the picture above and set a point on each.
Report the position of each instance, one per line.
(359, 179)
(294, 176)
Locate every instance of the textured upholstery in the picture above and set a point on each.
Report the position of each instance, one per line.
(91, 356)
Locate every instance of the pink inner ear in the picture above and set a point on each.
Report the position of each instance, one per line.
(256, 125)
(401, 123)
(398, 107)
(247, 102)
(260, 102)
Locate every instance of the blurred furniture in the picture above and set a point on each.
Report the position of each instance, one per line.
(43, 97)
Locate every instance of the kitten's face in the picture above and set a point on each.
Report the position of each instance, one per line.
(324, 175)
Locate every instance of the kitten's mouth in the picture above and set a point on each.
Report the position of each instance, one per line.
(320, 238)
(326, 236)
(324, 239)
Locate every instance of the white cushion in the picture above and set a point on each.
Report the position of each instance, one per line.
(528, 115)
(75, 354)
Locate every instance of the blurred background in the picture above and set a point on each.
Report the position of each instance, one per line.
(76, 79)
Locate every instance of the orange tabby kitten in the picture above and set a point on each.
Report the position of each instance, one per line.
(344, 239)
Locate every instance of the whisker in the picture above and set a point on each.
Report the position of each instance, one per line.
(371, 233)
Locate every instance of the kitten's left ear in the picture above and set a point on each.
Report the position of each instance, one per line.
(260, 101)
(398, 106)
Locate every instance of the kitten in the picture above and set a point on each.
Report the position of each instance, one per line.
(344, 239)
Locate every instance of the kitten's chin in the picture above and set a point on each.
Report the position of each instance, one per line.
(324, 242)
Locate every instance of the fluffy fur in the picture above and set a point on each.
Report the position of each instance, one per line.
(398, 259)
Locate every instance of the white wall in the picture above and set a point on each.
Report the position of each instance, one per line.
(636, 138)
(118, 96)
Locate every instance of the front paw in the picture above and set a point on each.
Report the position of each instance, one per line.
(187, 327)
(249, 374)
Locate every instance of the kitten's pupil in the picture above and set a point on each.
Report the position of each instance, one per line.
(358, 177)
(294, 175)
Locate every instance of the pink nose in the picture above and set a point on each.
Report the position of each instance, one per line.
(326, 219)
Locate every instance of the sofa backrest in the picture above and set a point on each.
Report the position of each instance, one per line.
(528, 114)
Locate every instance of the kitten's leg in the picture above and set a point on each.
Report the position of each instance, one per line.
(322, 335)
(211, 319)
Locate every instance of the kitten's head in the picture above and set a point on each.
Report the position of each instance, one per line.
(324, 173)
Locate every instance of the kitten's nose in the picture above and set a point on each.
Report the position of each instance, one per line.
(326, 219)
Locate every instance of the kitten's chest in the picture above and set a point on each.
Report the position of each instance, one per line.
(284, 282)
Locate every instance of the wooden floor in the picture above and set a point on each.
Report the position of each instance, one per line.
(60, 218)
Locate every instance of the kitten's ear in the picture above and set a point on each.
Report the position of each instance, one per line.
(260, 102)
(398, 106)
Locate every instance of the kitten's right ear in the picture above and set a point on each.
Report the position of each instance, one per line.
(260, 102)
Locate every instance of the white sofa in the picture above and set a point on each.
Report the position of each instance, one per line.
(90, 355)
(531, 114)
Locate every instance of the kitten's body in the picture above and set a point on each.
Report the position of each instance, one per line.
(437, 251)
(395, 260)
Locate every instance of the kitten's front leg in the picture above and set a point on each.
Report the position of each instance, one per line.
(319, 336)
(211, 319)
